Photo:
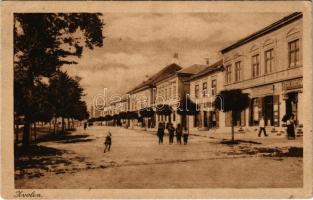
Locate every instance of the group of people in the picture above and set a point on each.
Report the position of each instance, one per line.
(179, 131)
(290, 123)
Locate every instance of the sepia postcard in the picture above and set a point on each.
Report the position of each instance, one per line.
(156, 99)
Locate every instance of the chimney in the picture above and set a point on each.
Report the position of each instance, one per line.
(207, 61)
(175, 58)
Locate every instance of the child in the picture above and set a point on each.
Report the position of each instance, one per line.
(185, 135)
(108, 142)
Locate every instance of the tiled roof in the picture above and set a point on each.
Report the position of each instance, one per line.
(209, 69)
(162, 74)
(274, 26)
(193, 69)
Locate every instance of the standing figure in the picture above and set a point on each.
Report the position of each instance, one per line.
(160, 133)
(185, 135)
(171, 131)
(179, 131)
(85, 125)
(291, 127)
(262, 127)
(108, 142)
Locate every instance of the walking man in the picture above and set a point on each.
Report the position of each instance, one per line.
(179, 131)
(108, 142)
(262, 127)
(171, 131)
(160, 133)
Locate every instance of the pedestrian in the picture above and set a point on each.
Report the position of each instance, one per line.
(291, 127)
(171, 131)
(108, 142)
(262, 127)
(85, 125)
(160, 133)
(178, 133)
(185, 135)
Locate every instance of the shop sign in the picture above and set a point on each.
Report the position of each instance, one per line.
(292, 84)
(262, 91)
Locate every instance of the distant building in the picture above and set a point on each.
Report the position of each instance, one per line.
(268, 65)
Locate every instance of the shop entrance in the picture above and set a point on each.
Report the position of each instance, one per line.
(268, 103)
(292, 105)
(213, 119)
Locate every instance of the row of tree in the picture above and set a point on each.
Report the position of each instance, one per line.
(43, 43)
(233, 101)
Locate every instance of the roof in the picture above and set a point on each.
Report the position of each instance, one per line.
(162, 74)
(209, 69)
(272, 27)
(193, 69)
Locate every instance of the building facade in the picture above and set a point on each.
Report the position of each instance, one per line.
(171, 89)
(204, 87)
(268, 66)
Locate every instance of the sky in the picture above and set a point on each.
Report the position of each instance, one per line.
(138, 45)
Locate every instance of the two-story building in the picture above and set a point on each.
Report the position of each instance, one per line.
(268, 65)
(145, 94)
(204, 86)
(171, 88)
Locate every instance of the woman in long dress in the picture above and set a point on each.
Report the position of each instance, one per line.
(291, 127)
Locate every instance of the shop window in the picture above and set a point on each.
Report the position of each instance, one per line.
(294, 53)
(254, 112)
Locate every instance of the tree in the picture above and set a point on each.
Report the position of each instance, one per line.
(233, 101)
(65, 96)
(43, 42)
(187, 107)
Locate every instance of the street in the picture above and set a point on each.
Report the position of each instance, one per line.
(136, 160)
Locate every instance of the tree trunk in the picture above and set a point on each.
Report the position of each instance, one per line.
(63, 125)
(17, 132)
(35, 131)
(54, 128)
(49, 126)
(26, 133)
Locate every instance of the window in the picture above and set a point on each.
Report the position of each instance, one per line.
(196, 91)
(255, 65)
(170, 91)
(294, 53)
(228, 74)
(205, 89)
(238, 71)
(269, 60)
(174, 89)
(213, 87)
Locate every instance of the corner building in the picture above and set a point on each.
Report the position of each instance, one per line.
(268, 65)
